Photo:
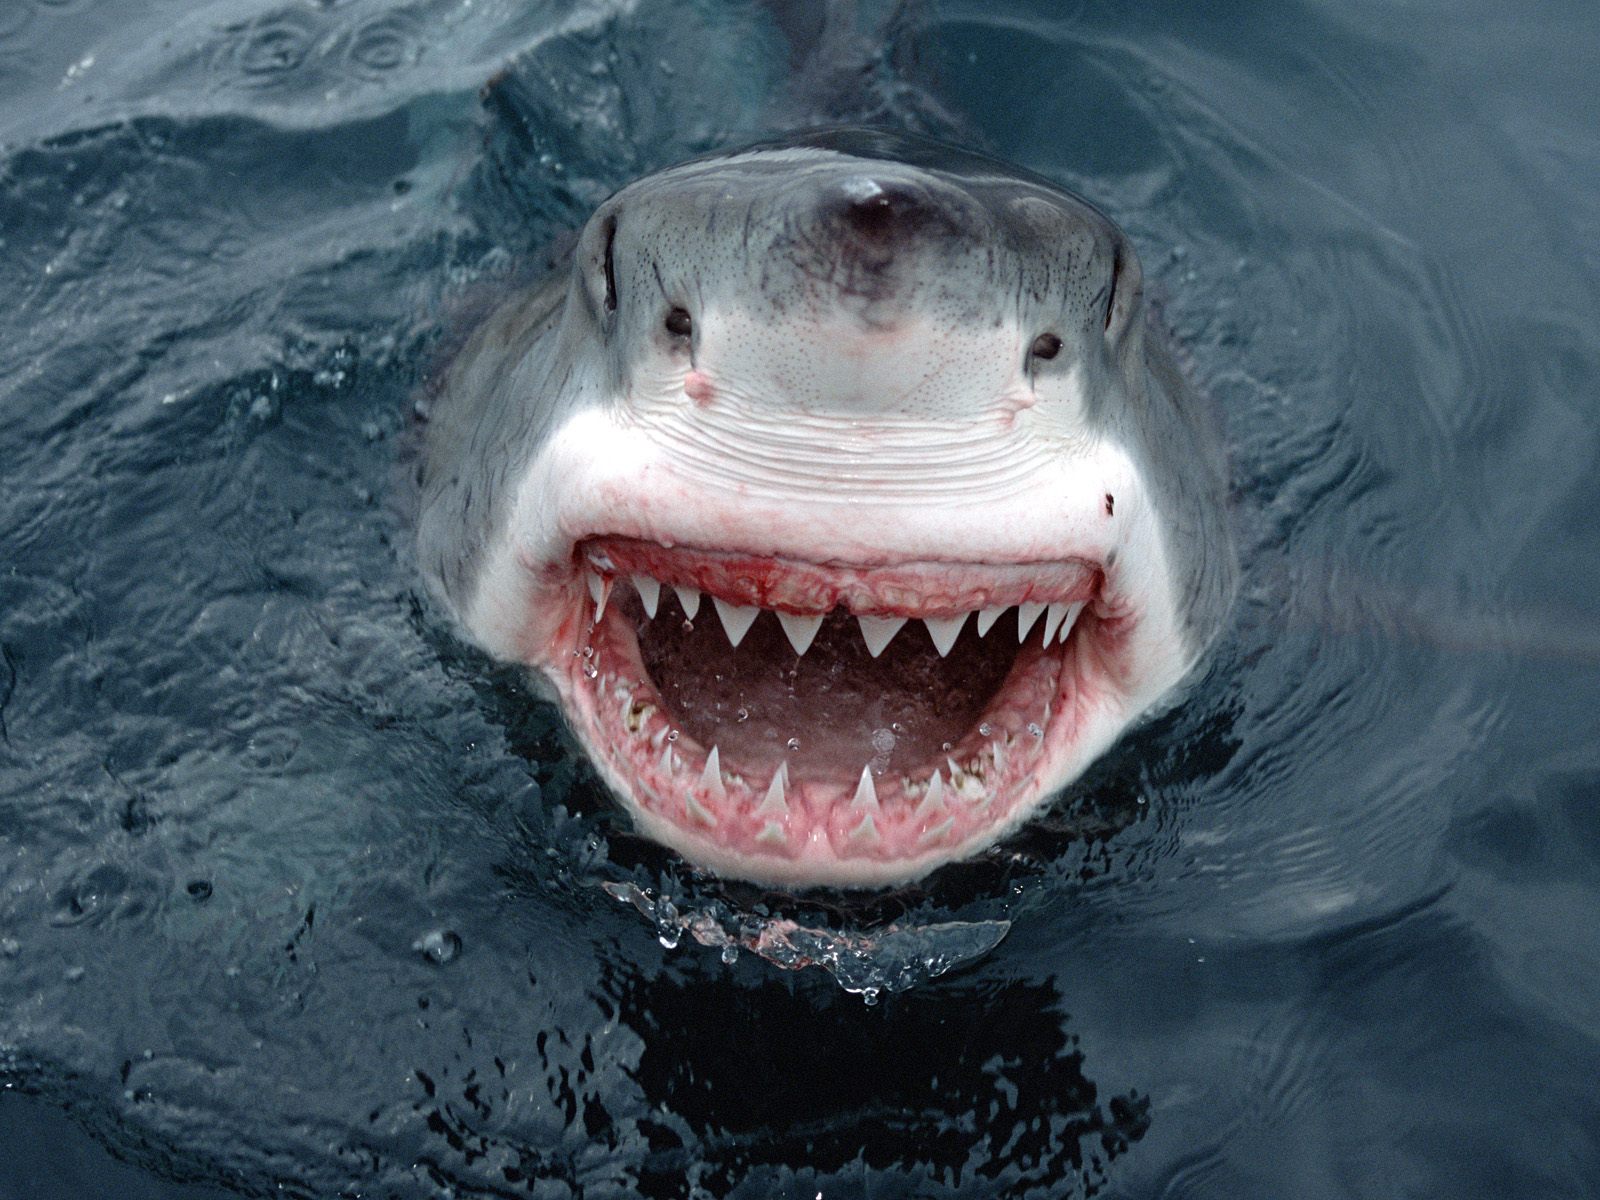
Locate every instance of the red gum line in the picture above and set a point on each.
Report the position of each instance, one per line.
(916, 589)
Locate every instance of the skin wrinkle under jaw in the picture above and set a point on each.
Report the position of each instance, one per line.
(834, 488)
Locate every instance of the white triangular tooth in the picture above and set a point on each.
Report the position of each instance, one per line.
(932, 802)
(987, 617)
(736, 619)
(1073, 610)
(689, 599)
(955, 771)
(800, 629)
(1027, 614)
(649, 593)
(944, 631)
(774, 801)
(698, 811)
(878, 632)
(772, 834)
(866, 830)
(600, 592)
(999, 753)
(711, 777)
(667, 764)
(866, 794)
(1052, 621)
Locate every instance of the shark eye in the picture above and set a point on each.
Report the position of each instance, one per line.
(1046, 346)
(678, 323)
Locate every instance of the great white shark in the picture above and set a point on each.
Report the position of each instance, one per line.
(844, 497)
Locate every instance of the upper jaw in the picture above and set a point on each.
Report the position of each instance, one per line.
(870, 554)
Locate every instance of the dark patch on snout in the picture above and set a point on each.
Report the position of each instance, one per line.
(875, 215)
(863, 236)
(873, 223)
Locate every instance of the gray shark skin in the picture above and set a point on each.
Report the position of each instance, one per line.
(841, 494)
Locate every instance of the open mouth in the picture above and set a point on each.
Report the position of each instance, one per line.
(793, 721)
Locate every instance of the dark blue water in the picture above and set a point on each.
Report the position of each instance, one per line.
(300, 897)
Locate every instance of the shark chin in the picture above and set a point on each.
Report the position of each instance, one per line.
(841, 494)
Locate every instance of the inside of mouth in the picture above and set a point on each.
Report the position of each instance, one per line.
(834, 709)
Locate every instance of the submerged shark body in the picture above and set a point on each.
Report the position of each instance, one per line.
(839, 493)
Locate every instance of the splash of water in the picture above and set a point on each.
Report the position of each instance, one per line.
(893, 958)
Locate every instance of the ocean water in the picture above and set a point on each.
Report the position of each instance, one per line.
(301, 897)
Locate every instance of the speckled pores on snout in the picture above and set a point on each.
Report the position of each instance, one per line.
(839, 492)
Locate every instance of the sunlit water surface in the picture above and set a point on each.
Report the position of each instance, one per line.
(298, 896)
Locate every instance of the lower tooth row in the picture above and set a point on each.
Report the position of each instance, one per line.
(876, 632)
(967, 783)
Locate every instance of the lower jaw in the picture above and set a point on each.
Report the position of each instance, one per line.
(824, 832)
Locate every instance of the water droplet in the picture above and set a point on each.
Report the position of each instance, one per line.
(1034, 729)
(897, 727)
(672, 735)
(438, 946)
(588, 651)
(590, 670)
(869, 996)
(668, 939)
(793, 743)
(730, 953)
(985, 728)
(947, 747)
(688, 625)
(744, 714)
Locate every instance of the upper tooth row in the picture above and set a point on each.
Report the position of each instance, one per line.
(876, 632)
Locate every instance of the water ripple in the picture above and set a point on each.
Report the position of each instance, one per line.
(14, 19)
(383, 44)
(269, 51)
